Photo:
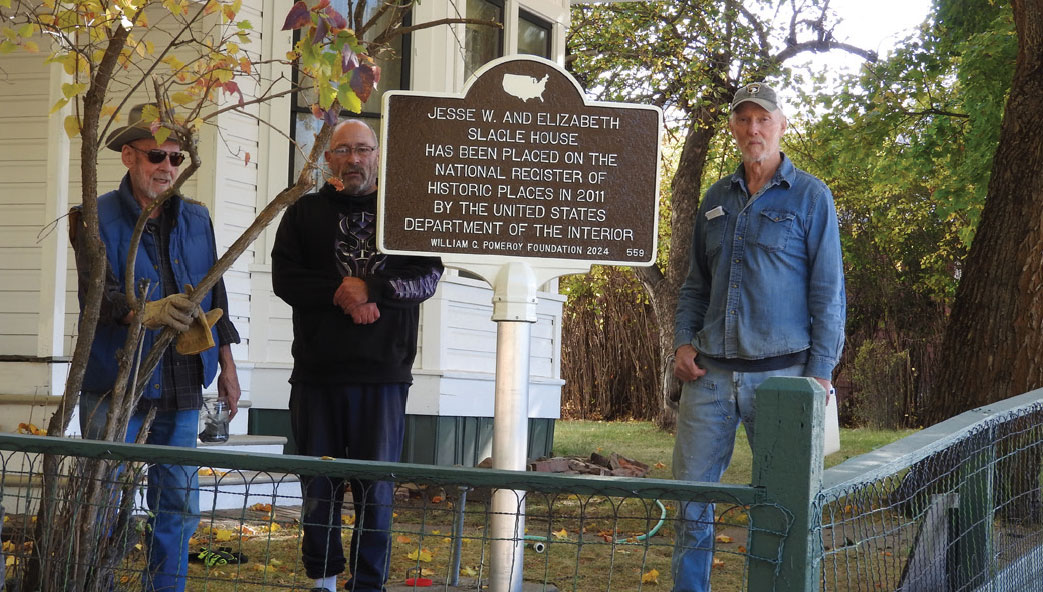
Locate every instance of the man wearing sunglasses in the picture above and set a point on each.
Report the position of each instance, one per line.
(176, 250)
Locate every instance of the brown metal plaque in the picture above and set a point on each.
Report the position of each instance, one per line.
(520, 166)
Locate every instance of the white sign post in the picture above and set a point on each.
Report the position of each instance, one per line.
(519, 180)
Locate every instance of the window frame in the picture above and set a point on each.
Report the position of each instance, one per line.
(537, 21)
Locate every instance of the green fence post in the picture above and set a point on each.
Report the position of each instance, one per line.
(975, 516)
(787, 467)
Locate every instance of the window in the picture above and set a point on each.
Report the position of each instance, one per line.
(394, 70)
(533, 35)
(482, 43)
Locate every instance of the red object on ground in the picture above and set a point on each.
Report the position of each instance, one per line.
(419, 582)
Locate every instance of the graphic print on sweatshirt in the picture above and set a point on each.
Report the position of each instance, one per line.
(356, 245)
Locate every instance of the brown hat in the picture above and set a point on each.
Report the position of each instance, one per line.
(136, 129)
(758, 93)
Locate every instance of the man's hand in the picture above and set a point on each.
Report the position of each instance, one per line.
(685, 368)
(351, 293)
(175, 311)
(228, 380)
(826, 384)
(365, 314)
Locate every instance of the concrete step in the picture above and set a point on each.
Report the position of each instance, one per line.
(218, 490)
(247, 443)
(232, 490)
(225, 489)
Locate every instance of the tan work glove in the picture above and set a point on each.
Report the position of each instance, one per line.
(175, 311)
(198, 338)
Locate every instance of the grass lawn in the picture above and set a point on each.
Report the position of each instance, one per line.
(642, 441)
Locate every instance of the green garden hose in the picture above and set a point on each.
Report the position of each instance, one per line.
(538, 543)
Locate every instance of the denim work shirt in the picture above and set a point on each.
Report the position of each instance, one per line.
(766, 277)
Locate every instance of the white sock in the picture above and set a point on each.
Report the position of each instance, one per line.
(329, 583)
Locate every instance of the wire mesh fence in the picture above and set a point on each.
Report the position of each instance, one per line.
(77, 519)
(956, 508)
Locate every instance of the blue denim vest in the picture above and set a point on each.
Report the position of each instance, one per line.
(192, 254)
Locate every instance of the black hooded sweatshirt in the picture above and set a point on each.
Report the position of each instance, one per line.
(322, 238)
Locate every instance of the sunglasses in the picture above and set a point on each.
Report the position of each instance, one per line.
(156, 156)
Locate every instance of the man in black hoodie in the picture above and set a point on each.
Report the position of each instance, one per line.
(355, 318)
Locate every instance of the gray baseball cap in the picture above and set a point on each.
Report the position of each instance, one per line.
(756, 92)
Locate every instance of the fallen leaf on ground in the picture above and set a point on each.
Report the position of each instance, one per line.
(404, 539)
(717, 563)
(650, 577)
(223, 535)
(723, 538)
(420, 555)
(561, 535)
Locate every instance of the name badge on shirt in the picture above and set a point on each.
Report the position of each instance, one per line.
(714, 213)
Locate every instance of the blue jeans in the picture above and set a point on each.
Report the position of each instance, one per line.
(708, 415)
(362, 422)
(172, 494)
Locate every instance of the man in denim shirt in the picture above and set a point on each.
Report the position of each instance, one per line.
(764, 297)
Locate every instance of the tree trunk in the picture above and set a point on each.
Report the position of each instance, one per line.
(993, 348)
(663, 287)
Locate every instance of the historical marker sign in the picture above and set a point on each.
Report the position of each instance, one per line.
(520, 166)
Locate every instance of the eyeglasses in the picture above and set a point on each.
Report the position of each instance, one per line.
(363, 150)
(156, 156)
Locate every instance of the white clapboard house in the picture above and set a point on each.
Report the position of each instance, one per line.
(451, 403)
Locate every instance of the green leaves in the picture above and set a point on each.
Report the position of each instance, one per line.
(330, 55)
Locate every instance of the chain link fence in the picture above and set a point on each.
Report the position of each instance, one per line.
(76, 519)
(954, 507)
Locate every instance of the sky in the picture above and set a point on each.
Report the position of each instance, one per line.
(872, 24)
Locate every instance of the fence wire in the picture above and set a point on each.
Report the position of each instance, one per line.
(76, 519)
(962, 514)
